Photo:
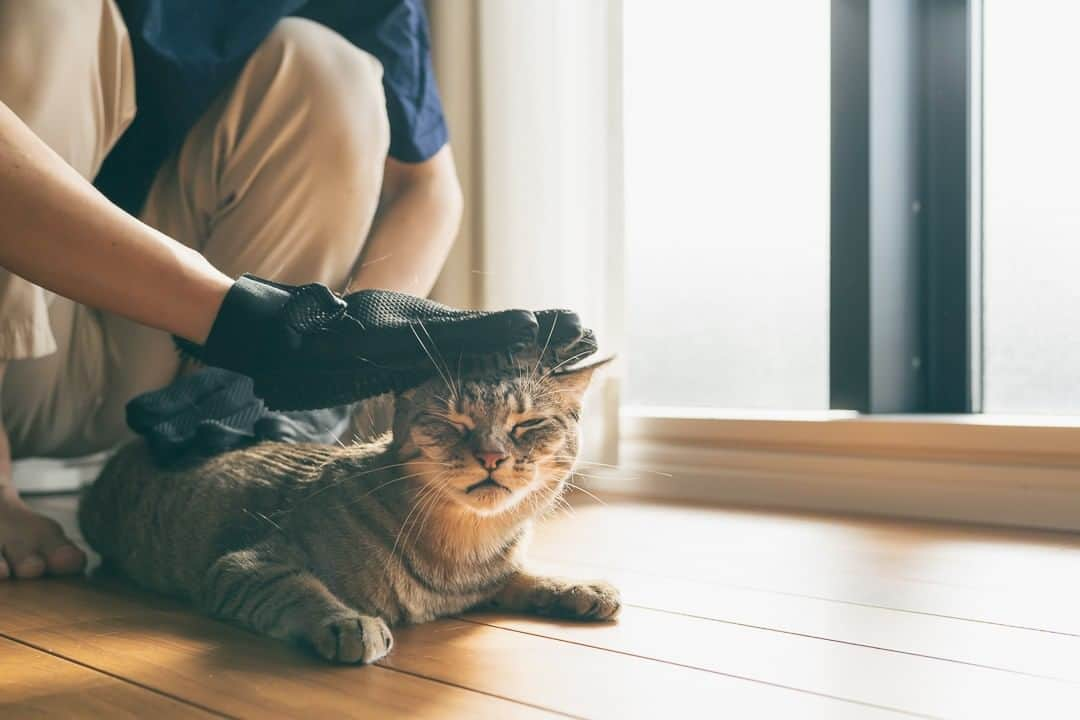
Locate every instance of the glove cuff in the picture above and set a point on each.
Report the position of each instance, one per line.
(245, 327)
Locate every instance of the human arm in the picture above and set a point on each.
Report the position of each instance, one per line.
(59, 232)
(418, 219)
(298, 344)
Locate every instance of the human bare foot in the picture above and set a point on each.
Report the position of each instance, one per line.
(32, 545)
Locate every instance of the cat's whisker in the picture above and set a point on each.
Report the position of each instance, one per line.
(419, 501)
(593, 476)
(547, 342)
(435, 364)
(615, 467)
(561, 504)
(600, 477)
(571, 359)
(424, 495)
(578, 487)
(392, 481)
(458, 379)
(261, 516)
(454, 389)
(431, 507)
(353, 476)
(404, 524)
(339, 483)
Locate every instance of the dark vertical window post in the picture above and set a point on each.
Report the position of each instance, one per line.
(900, 315)
(953, 338)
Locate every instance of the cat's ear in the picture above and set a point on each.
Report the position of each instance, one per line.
(574, 381)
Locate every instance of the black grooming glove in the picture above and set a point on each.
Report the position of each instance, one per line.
(307, 348)
(561, 343)
(212, 411)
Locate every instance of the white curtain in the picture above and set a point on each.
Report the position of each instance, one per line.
(532, 95)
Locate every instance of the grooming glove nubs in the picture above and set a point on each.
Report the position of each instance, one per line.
(307, 348)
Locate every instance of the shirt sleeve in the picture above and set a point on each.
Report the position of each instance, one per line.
(396, 33)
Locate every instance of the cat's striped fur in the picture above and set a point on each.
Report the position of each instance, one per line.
(333, 545)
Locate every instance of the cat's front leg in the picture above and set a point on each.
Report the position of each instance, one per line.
(279, 598)
(559, 597)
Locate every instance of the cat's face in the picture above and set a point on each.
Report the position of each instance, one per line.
(496, 439)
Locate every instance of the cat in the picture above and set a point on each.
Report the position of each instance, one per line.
(332, 546)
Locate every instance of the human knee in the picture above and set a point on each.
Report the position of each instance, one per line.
(331, 136)
(336, 88)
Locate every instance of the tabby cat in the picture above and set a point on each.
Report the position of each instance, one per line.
(332, 546)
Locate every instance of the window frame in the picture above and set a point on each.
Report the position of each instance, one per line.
(905, 435)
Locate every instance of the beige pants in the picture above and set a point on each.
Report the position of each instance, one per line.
(280, 178)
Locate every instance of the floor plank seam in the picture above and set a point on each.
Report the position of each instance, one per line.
(822, 598)
(852, 643)
(686, 666)
(121, 678)
(379, 664)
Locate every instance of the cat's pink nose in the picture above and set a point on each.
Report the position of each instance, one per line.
(490, 460)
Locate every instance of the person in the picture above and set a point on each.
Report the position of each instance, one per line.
(298, 141)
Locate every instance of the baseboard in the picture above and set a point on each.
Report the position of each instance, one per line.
(1025, 495)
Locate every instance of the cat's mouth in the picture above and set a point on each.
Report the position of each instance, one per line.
(488, 482)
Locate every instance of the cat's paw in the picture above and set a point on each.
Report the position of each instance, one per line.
(580, 601)
(352, 639)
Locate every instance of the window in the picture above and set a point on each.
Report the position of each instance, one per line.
(915, 274)
(726, 157)
(1032, 207)
(935, 273)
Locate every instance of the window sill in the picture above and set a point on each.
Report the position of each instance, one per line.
(1011, 470)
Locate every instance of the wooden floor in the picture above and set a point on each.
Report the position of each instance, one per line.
(729, 613)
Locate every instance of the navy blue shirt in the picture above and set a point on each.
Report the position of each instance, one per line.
(188, 51)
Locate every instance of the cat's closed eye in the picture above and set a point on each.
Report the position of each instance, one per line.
(455, 423)
(526, 425)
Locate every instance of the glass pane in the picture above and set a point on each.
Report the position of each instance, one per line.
(727, 182)
(1032, 207)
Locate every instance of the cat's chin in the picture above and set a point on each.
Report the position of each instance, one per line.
(486, 498)
(489, 498)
